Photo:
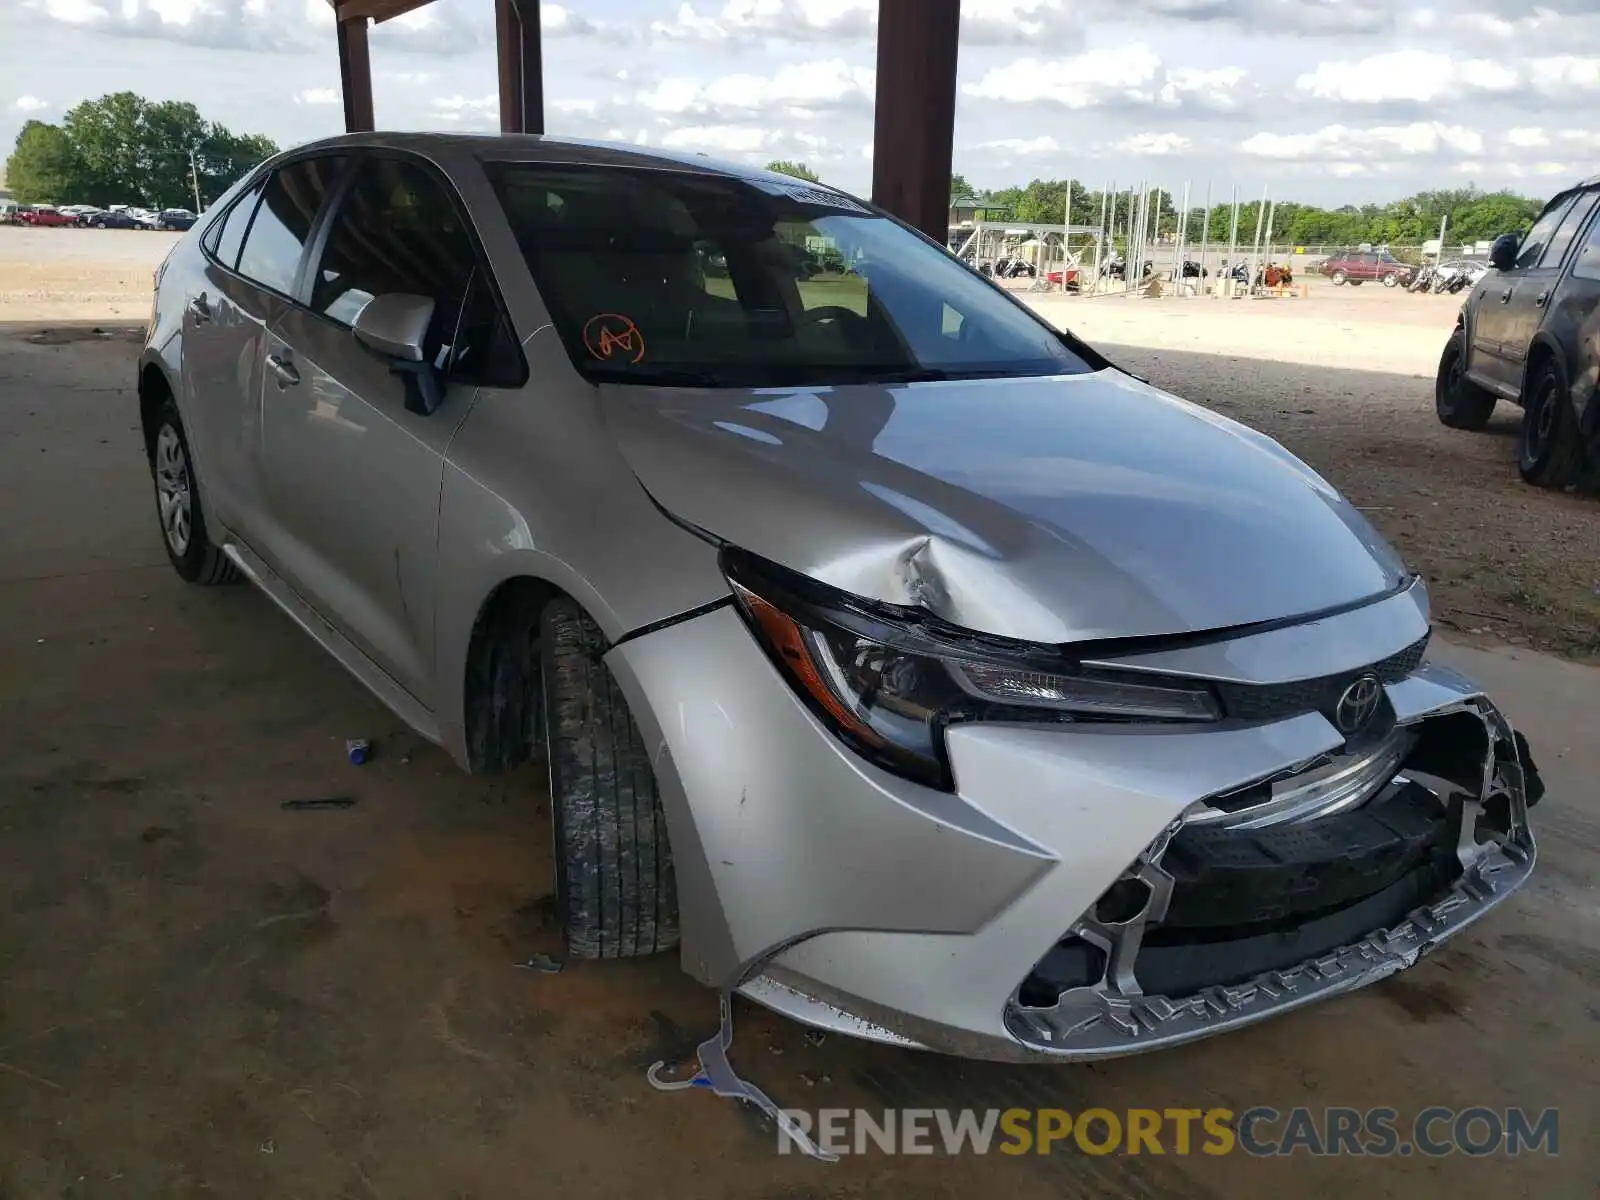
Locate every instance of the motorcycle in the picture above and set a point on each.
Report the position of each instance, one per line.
(1423, 279)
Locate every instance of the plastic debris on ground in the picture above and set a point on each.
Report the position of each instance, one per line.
(716, 1074)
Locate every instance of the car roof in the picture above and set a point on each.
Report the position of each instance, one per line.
(543, 148)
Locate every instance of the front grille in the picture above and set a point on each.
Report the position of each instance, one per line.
(1276, 701)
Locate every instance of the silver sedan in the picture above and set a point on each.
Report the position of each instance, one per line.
(899, 660)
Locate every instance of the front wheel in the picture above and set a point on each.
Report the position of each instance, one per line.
(1390, 281)
(1339, 278)
(183, 524)
(1549, 451)
(1460, 403)
(615, 885)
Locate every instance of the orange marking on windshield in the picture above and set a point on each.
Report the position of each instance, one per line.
(608, 335)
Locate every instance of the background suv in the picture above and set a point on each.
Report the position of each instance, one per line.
(1529, 333)
(1357, 266)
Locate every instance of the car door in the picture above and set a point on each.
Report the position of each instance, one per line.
(1495, 359)
(1574, 319)
(354, 473)
(1532, 292)
(251, 265)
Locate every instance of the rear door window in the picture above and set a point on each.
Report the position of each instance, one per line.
(1556, 248)
(277, 238)
(227, 236)
(1586, 263)
(1539, 236)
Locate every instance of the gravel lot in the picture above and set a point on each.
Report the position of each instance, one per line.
(1343, 377)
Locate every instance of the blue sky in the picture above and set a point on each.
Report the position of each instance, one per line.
(1328, 101)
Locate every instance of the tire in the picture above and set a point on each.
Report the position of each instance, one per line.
(615, 886)
(1390, 281)
(183, 523)
(1460, 403)
(99, 224)
(1339, 278)
(1549, 450)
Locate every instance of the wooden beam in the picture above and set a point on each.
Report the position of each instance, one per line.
(355, 75)
(914, 121)
(520, 54)
(376, 10)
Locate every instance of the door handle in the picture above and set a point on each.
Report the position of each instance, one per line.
(1505, 296)
(199, 309)
(1538, 301)
(284, 370)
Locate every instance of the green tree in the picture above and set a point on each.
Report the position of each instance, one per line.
(959, 187)
(44, 168)
(123, 148)
(797, 169)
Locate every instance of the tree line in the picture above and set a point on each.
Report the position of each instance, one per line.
(1474, 215)
(125, 149)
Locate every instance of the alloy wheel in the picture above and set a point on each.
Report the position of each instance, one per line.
(174, 490)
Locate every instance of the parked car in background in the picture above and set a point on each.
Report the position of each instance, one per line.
(176, 219)
(1528, 334)
(45, 214)
(107, 219)
(1358, 266)
(900, 660)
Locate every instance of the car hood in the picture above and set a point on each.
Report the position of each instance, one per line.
(1056, 509)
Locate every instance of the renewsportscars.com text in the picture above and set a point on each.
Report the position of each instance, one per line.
(1260, 1132)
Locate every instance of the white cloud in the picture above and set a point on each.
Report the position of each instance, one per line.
(1044, 144)
(1344, 143)
(1155, 144)
(318, 96)
(796, 91)
(1420, 76)
(1129, 74)
(722, 139)
(1563, 74)
(30, 104)
(983, 22)
(1526, 138)
(475, 109)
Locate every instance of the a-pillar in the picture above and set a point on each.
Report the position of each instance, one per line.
(914, 125)
(355, 74)
(516, 24)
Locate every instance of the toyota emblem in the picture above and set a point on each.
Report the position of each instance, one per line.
(1359, 702)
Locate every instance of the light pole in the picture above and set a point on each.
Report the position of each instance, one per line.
(194, 180)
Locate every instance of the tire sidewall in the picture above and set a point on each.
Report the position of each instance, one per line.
(1339, 278)
(1549, 387)
(192, 562)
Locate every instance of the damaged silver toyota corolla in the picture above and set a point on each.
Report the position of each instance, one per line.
(939, 682)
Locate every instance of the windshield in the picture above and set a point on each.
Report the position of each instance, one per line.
(680, 278)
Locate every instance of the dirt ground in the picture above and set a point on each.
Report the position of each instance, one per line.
(203, 993)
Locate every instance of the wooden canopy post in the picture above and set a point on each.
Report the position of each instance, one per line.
(914, 122)
(516, 25)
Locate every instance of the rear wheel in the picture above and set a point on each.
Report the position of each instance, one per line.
(183, 523)
(1460, 403)
(615, 884)
(1549, 451)
(1390, 281)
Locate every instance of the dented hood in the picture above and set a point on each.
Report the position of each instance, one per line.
(1049, 509)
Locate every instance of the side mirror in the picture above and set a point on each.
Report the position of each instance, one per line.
(395, 326)
(1503, 254)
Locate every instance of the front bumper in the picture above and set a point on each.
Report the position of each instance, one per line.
(859, 902)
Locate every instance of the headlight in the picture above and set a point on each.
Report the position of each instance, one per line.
(887, 679)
